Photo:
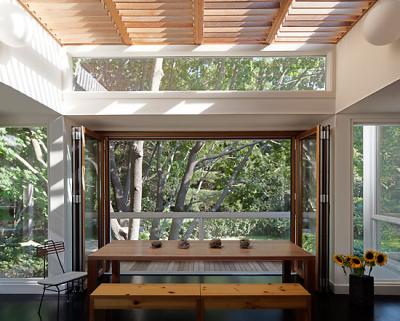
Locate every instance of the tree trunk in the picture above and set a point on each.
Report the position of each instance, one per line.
(183, 189)
(134, 224)
(155, 224)
(116, 183)
(28, 215)
(157, 75)
(117, 231)
(225, 192)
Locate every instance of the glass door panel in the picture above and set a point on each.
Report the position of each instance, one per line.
(312, 203)
(91, 185)
(87, 195)
(308, 190)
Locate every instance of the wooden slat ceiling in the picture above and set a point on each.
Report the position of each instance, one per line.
(179, 22)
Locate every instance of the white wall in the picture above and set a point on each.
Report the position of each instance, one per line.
(35, 69)
(60, 189)
(362, 68)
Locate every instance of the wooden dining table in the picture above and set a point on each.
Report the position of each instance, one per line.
(261, 250)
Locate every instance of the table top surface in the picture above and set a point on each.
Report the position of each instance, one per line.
(272, 250)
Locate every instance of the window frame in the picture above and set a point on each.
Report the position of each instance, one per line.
(371, 189)
(204, 51)
(194, 135)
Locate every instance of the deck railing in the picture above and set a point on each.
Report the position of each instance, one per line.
(200, 216)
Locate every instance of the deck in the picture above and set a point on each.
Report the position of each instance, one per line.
(201, 267)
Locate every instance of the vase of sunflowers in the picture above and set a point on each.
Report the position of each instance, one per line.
(361, 283)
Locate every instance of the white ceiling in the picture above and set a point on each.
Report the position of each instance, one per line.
(17, 108)
(386, 100)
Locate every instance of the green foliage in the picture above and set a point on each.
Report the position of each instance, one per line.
(22, 217)
(209, 73)
(358, 167)
(262, 184)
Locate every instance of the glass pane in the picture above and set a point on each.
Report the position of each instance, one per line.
(358, 190)
(198, 176)
(23, 200)
(309, 193)
(92, 194)
(389, 170)
(388, 241)
(200, 73)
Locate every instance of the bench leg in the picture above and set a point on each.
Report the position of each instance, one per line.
(92, 311)
(199, 310)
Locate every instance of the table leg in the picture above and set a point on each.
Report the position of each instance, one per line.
(92, 276)
(199, 310)
(115, 276)
(286, 271)
(309, 275)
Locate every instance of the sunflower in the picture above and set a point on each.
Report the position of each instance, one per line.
(356, 262)
(369, 256)
(381, 258)
(338, 259)
(347, 260)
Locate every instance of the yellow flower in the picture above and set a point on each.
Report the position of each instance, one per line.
(338, 259)
(347, 259)
(356, 262)
(381, 258)
(369, 256)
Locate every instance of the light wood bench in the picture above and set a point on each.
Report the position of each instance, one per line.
(257, 296)
(201, 297)
(120, 296)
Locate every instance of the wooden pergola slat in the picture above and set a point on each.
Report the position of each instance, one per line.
(196, 21)
(110, 6)
(285, 5)
(198, 9)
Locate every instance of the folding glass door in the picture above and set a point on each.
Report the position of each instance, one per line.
(312, 187)
(87, 200)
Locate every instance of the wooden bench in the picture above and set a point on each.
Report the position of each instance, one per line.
(257, 296)
(201, 297)
(120, 296)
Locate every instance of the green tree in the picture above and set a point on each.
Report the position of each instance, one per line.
(23, 199)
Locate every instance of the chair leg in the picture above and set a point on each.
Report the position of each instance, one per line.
(41, 300)
(58, 301)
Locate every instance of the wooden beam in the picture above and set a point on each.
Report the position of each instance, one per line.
(280, 17)
(110, 6)
(198, 21)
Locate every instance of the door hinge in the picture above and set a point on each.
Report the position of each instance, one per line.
(76, 199)
(76, 134)
(324, 198)
(325, 134)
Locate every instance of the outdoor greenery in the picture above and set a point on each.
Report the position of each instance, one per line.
(206, 176)
(358, 167)
(23, 199)
(203, 73)
(388, 189)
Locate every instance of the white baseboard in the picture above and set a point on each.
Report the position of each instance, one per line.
(20, 286)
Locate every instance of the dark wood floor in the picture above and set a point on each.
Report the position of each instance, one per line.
(326, 307)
